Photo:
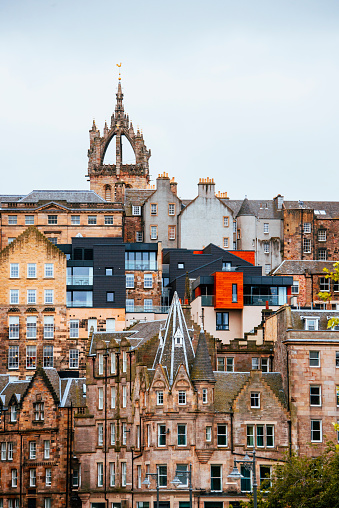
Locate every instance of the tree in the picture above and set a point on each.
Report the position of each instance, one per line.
(303, 482)
(325, 296)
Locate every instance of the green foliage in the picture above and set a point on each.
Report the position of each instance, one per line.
(325, 296)
(303, 482)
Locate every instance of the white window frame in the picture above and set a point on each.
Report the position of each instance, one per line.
(154, 209)
(295, 287)
(32, 477)
(130, 280)
(73, 358)
(112, 474)
(14, 296)
(74, 328)
(100, 474)
(123, 474)
(162, 435)
(48, 477)
(266, 248)
(49, 296)
(14, 478)
(171, 209)
(31, 270)
(31, 357)
(113, 397)
(226, 221)
(322, 235)
(204, 396)
(112, 434)
(48, 327)
(92, 220)
(222, 435)
(124, 396)
(13, 357)
(75, 220)
(154, 232)
(136, 210)
(313, 431)
(47, 449)
(14, 271)
(49, 270)
(148, 280)
(13, 327)
(318, 395)
(307, 227)
(160, 397)
(100, 397)
(255, 400)
(182, 435)
(100, 434)
(182, 397)
(266, 228)
(31, 296)
(29, 220)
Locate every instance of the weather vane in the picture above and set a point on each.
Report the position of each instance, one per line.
(119, 65)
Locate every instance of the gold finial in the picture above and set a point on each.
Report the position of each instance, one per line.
(119, 65)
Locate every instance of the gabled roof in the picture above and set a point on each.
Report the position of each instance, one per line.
(175, 344)
(13, 389)
(30, 232)
(202, 367)
(70, 196)
(302, 267)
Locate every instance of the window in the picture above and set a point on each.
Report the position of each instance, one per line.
(230, 364)
(265, 477)
(109, 272)
(314, 358)
(74, 328)
(129, 305)
(322, 254)
(322, 235)
(266, 228)
(250, 435)
(222, 321)
(48, 356)
(161, 435)
(148, 435)
(181, 266)
(154, 209)
(295, 287)
(47, 448)
(100, 474)
(311, 324)
(39, 411)
(3, 451)
(269, 436)
(246, 481)
(222, 435)
(31, 296)
(216, 478)
(92, 220)
(265, 364)
(182, 397)
(124, 396)
(112, 474)
(12, 219)
(123, 474)
(108, 220)
(255, 363)
(100, 397)
(171, 232)
(316, 431)
(10, 240)
(138, 437)
(234, 293)
(255, 399)
(32, 450)
(73, 359)
(13, 357)
(154, 232)
(54, 241)
(31, 270)
(324, 284)
(148, 305)
(129, 280)
(225, 243)
(14, 296)
(112, 434)
(337, 359)
(336, 286)
(204, 395)
(307, 227)
(75, 220)
(13, 327)
(31, 327)
(162, 475)
(181, 469)
(49, 270)
(266, 248)
(100, 434)
(171, 208)
(182, 435)
(208, 433)
(315, 395)
(31, 357)
(267, 268)
(49, 296)
(48, 327)
(32, 478)
(226, 266)
(113, 363)
(48, 477)
(113, 397)
(10, 451)
(160, 398)
(221, 364)
(110, 296)
(14, 478)
(14, 270)
(148, 280)
(52, 219)
(29, 219)
(13, 413)
(100, 364)
(226, 221)
(138, 236)
(306, 245)
(136, 210)
(124, 433)
(124, 361)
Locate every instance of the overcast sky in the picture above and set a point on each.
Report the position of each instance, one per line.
(242, 91)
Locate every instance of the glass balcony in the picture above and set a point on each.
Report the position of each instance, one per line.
(77, 280)
(207, 300)
(140, 265)
(158, 309)
(260, 300)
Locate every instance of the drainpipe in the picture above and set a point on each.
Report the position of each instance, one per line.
(105, 435)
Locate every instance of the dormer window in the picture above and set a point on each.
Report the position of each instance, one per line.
(311, 323)
(136, 210)
(178, 338)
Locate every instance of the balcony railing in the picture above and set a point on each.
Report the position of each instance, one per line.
(140, 265)
(84, 280)
(207, 300)
(260, 300)
(157, 309)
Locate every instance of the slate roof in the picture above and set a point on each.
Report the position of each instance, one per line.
(136, 197)
(4, 378)
(261, 208)
(15, 387)
(330, 207)
(144, 331)
(298, 323)
(107, 337)
(202, 367)
(170, 354)
(70, 196)
(245, 208)
(54, 379)
(300, 267)
(7, 198)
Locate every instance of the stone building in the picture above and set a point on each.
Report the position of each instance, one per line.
(59, 215)
(36, 439)
(307, 356)
(156, 406)
(110, 180)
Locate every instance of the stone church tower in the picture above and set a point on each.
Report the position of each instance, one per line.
(110, 180)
